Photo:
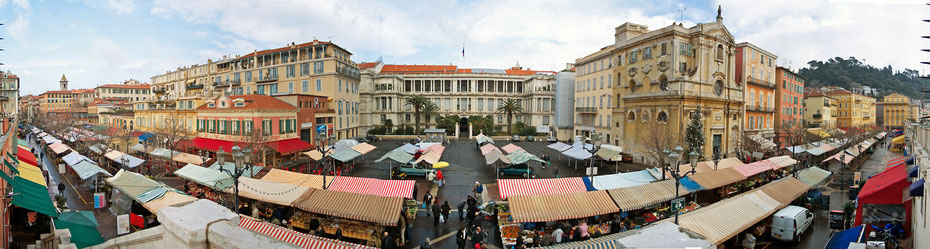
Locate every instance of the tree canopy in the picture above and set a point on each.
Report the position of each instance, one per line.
(852, 73)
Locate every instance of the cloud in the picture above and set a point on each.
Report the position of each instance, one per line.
(121, 7)
(799, 31)
(18, 28)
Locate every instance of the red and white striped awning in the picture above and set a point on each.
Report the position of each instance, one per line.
(532, 187)
(297, 238)
(897, 161)
(371, 186)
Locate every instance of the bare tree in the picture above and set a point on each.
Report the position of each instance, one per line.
(792, 133)
(172, 131)
(656, 139)
(255, 142)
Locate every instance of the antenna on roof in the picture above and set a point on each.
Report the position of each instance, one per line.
(681, 10)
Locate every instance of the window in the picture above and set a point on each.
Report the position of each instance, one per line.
(662, 117)
(290, 71)
(290, 87)
(719, 51)
(274, 88)
(663, 49)
(304, 69)
(683, 67)
(260, 90)
(647, 53)
(340, 85)
(610, 80)
(319, 85)
(305, 86)
(239, 104)
(633, 56)
(318, 67)
(685, 49)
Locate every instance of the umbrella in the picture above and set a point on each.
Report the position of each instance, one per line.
(440, 165)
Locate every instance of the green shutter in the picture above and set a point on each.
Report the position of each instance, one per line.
(280, 126)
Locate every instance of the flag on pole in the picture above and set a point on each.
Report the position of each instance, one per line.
(463, 49)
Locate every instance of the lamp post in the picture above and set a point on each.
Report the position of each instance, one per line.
(595, 146)
(323, 139)
(240, 159)
(674, 158)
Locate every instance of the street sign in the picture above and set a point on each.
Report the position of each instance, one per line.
(678, 204)
(591, 170)
(321, 129)
(100, 200)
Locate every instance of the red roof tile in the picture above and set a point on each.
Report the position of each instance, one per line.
(141, 86)
(366, 65)
(437, 69)
(254, 102)
(302, 45)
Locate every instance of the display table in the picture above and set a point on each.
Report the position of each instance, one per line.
(350, 228)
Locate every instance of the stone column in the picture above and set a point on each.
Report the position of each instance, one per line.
(456, 130)
(471, 131)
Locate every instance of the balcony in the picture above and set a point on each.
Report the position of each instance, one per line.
(586, 109)
(157, 91)
(759, 108)
(266, 79)
(762, 83)
(818, 116)
(194, 86)
(866, 117)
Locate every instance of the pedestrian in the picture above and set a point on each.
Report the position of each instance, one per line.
(472, 210)
(437, 213)
(555, 171)
(403, 227)
(446, 209)
(388, 241)
(430, 177)
(374, 240)
(583, 227)
(478, 190)
(428, 202)
(439, 178)
(338, 232)
(479, 235)
(425, 244)
(461, 208)
(415, 188)
(460, 237)
(557, 235)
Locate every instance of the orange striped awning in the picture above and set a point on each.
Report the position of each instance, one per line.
(363, 207)
(543, 208)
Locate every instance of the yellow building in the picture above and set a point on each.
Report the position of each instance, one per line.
(853, 110)
(594, 96)
(819, 110)
(896, 111)
(57, 100)
(150, 116)
(662, 77)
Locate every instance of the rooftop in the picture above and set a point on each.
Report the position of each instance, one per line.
(449, 69)
(252, 102)
(140, 86)
(302, 45)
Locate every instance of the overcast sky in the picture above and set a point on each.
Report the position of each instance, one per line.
(98, 42)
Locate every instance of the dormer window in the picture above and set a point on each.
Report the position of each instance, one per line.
(239, 104)
(211, 104)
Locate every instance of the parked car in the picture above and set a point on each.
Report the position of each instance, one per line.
(522, 169)
(415, 170)
(530, 139)
(791, 222)
(552, 139)
(626, 158)
(372, 138)
(515, 138)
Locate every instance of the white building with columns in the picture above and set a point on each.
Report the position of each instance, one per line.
(384, 89)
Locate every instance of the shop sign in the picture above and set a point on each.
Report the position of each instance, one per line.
(678, 204)
(836, 219)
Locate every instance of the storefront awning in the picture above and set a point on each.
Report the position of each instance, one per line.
(487, 148)
(211, 178)
(83, 228)
(885, 187)
(898, 140)
(31, 173)
(637, 197)
(316, 155)
(182, 157)
(170, 198)
(271, 192)
(841, 240)
(785, 190)
(295, 178)
(917, 188)
(813, 176)
(288, 146)
(371, 186)
(25, 156)
(396, 155)
(622, 180)
(729, 162)
(722, 220)
(559, 146)
(299, 239)
(383, 211)
(74, 158)
(530, 187)
(363, 148)
(718, 178)
(133, 184)
(897, 161)
(511, 148)
(32, 196)
(542, 208)
(212, 144)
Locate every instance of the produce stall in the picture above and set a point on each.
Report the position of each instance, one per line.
(358, 215)
(350, 228)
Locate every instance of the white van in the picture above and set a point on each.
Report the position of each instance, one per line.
(789, 223)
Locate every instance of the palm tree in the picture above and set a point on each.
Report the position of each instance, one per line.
(428, 110)
(388, 124)
(417, 102)
(510, 107)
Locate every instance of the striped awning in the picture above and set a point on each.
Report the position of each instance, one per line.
(897, 161)
(297, 238)
(487, 148)
(511, 148)
(530, 187)
(384, 211)
(718, 178)
(371, 186)
(757, 167)
(541, 208)
(587, 244)
(637, 197)
(785, 190)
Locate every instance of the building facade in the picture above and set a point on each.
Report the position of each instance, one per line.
(57, 100)
(464, 92)
(895, 111)
(133, 93)
(594, 98)
(789, 102)
(9, 94)
(820, 111)
(565, 103)
(663, 77)
(755, 67)
(853, 110)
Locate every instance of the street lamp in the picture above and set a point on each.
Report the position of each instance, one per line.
(323, 139)
(240, 159)
(674, 158)
(595, 146)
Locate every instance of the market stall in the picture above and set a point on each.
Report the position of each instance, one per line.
(299, 179)
(211, 178)
(59, 148)
(511, 148)
(544, 208)
(534, 187)
(188, 158)
(358, 215)
(622, 180)
(371, 186)
(294, 237)
(487, 148)
(881, 200)
(132, 194)
(813, 176)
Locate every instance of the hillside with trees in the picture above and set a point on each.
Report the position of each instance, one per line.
(851, 73)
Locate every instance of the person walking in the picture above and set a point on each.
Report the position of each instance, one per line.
(555, 171)
(445, 210)
(557, 235)
(430, 177)
(440, 179)
(478, 190)
(479, 236)
(415, 190)
(460, 237)
(428, 203)
(387, 242)
(437, 213)
(461, 208)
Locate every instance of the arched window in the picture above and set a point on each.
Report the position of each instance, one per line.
(720, 51)
(645, 116)
(632, 85)
(662, 117)
(718, 87)
(631, 116)
(663, 83)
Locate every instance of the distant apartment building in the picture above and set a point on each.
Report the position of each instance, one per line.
(854, 110)
(456, 91)
(594, 96)
(56, 100)
(789, 102)
(132, 93)
(9, 94)
(894, 111)
(820, 111)
(755, 67)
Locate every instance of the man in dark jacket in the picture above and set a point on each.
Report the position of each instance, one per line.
(460, 237)
(436, 213)
(388, 241)
(479, 235)
(461, 208)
